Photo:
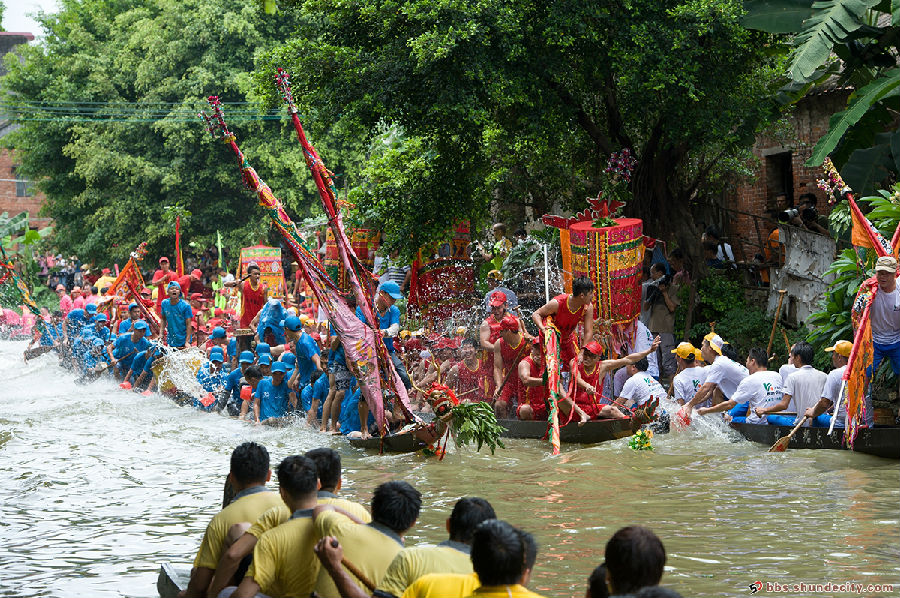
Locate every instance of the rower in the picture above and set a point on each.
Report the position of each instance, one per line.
(804, 387)
(533, 403)
(722, 377)
(640, 387)
(248, 476)
(569, 310)
(371, 547)
(690, 376)
(466, 376)
(840, 355)
(243, 536)
(233, 382)
(212, 379)
(489, 333)
(134, 314)
(273, 396)
(509, 350)
(761, 388)
(176, 314)
(586, 389)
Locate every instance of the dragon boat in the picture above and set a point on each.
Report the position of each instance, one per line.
(881, 441)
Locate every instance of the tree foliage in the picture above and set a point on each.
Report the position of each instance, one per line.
(522, 102)
(107, 105)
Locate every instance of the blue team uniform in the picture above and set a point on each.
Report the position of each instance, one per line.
(273, 400)
(177, 316)
(304, 349)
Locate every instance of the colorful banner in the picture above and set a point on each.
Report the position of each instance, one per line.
(444, 285)
(269, 261)
(365, 243)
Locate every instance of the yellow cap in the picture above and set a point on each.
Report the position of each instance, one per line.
(404, 333)
(715, 341)
(842, 348)
(460, 330)
(495, 274)
(686, 350)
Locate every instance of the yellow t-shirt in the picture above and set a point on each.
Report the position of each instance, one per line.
(284, 563)
(412, 563)
(370, 547)
(278, 515)
(513, 591)
(441, 585)
(245, 509)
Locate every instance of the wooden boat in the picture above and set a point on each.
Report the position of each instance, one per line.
(172, 579)
(879, 441)
(592, 432)
(399, 443)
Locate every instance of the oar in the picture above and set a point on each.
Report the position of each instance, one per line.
(775, 322)
(837, 407)
(353, 569)
(782, 443)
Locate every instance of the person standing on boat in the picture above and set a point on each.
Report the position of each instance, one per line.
(176, 314)
(722, 376)
(568, 311)
(761, 388)
(253, 294)
(248, 476)
(489, 333)
(804, 387)
(161, 278)
(388, 316)
(690, 376)
(831, 393)
(884, 315)
(509, 350)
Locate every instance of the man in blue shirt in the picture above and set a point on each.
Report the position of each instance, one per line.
(319, 384)
(388, 316)
(273, 395)
(211, 379)
(93, 361)
(270, 318)
(306, 351)
(137, 368)
(128, 345)
(177, 317)
(233, 382)
(264, 362)
(134, 314)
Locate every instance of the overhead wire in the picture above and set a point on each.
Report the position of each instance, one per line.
(122, 111)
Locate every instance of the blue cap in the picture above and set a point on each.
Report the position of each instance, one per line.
(289, 358)
(279, 366)
(263, 348)
(246, 357)
(91, 308)
(173, 285)
(218, 332)
(216, 356)
(100, 318)
(265, 359)
(292, 323)
(140, 325)
(392, 289)
(98, 342)
(132, 305)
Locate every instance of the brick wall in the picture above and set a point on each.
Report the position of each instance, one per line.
(11, 202)
(781, 170)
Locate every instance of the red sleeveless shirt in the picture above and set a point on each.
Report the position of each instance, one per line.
(253, 302)
(565, 319)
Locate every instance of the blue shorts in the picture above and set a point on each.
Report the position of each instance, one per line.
(891, 351)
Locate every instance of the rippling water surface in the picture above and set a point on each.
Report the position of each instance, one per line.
(100, 486)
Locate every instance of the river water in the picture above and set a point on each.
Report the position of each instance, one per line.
(100, 486)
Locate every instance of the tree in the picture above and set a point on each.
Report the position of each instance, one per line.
(108, 108)
(524, 102)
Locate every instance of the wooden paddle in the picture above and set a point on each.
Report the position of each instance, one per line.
(354, 570)
(782, 443)
(775, 322)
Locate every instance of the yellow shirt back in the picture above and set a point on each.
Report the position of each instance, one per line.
(278, 515)
(441, 585)
(245, 509)
(511, 591)
(284, 564)
(412, 563)
(370, 547)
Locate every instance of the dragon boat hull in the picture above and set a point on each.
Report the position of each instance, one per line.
(592, 432)
(400, 443)
(878, 441)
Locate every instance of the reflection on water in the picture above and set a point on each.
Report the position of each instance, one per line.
(100, 486)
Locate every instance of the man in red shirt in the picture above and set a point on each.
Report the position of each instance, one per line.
(567, 312)
(161, 278)
(509, 350)
(253, 294)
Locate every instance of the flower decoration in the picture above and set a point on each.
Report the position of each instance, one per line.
(641, 440)
(621, 164)
(833, 185)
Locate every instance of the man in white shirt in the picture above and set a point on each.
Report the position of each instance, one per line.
(884, 315)
(803, 386)
(722, 376)
(690, 376)
(640, 386)
(831, 393)
(760, 389)
(643, 339)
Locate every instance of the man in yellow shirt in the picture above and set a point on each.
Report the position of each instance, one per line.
(503, 558)
(283, 561)
(451, 556)
(242, 537)
(369, 547)
(248, 476)
(441, 585)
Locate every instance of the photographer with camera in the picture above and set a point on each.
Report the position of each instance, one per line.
(804, 215)
(661, 301)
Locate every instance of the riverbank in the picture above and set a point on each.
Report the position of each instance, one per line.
(103, 485)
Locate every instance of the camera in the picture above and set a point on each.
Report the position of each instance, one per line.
(654, 292)
(788, 215)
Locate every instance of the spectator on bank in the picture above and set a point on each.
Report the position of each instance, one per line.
(635, 558)
(723, 250)
(661, 301)
(500, 248)
(65, 301)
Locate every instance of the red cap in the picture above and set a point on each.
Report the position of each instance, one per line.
(594, 347)
(197, 273)
(454, 343)
(230, 312)
(105, 270)
(498, 298)
(196, 296)
(163, 259)
(218, 312)
(509, 321)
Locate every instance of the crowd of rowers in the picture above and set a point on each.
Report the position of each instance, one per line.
(296, 365)
(305, 539)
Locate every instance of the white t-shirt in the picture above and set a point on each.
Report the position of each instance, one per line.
(726, 374)
(832, 391)
(643, 340)
(724, 252)
(885, 317)
(760, 389)
(805, 387)
(687, 382)
(640, 387)
(785, 371)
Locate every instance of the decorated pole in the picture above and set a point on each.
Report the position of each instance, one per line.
(354, 269)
